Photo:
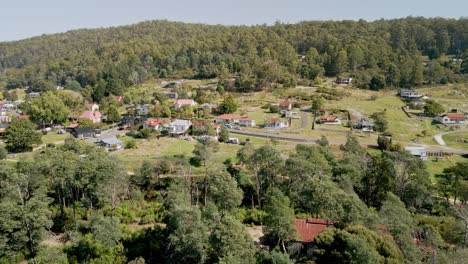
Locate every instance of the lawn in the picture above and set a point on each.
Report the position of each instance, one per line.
(436, 166)
(457, 140)
(54, 138)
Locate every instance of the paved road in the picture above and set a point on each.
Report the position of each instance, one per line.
(301, 139)
(441, 141)
(305, 119)
(107, 134)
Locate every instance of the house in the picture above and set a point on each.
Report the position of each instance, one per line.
(212, 107)
(330, 120)
(128, 121)
(419, 152)
(177, 127)
(285, 106)
(82, 132)
(142, 109)
(410, 95)
(227, 119)
(152, 123)
(172, 95)
(451, 119)
(275, 123)
(344, 81)
(183, 102)
(5, 119)
(172, 84)
(307, 230)
(247, 122)
(118, 98)
(364, 125)
(111, 143)
(3, 127)
(92, 113)
(34, 95)
(59, 88)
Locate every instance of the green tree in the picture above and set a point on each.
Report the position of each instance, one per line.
(279, 222)
(3, 153)
(317, 103)
(228, 106)
(380, 121)
(24, 212)
(48, 108)
(21, 135)
(355, 244)
(224, 192)
(401, 225)
(224, 134)
(273, 257)
(377, 82)
(433, 108)
(113, 114)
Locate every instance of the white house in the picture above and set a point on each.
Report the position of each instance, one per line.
(182, 102)
(177, 127)
(419, 152)
(275, 123)
(451, 119)
(247, 122)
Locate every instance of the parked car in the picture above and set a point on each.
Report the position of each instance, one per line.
(232, 141)
(228, 126)
(61, 131)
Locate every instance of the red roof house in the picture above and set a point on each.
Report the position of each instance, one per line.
(452, 119)
(330, 120)
(152, 123)
(285, 106)
(309, 229)
(182, 102)
(227, 118)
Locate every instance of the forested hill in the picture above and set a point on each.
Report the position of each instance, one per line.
(400, 52)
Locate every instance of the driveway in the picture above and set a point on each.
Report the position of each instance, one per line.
(305, 119)
(441, 141)
(107, 134)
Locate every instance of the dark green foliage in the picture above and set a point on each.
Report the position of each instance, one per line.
(21, 135)
(224, 134)
(274, 109)
(380, 121)
(228, 106)
(273, 257)
(355, 244)
(433, 108)
(3, 153)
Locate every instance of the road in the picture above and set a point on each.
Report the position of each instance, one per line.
(305, 119)
(441, 141)
(301, 139)
(107, 134)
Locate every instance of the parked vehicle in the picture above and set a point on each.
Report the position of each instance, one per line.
(232, 141)
(228, 126)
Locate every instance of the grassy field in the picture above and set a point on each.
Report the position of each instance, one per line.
(457, 140)
(54, 138)
(436, 166)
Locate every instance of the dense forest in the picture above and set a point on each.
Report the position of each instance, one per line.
(386, 53)
(74, 203)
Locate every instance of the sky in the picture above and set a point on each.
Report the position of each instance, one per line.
(21, 19)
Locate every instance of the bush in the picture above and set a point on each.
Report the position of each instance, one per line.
(131, 144)
(374, 97)
(274, 109)
(144, 133)
(3, 153)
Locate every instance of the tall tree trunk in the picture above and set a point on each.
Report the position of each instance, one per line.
(313, 122)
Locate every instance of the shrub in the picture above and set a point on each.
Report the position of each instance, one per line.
(274, 109)
(131, 144)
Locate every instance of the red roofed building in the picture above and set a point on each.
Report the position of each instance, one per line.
(330, 120)
(308, 230)
(285, 106)
(275, 123)
(152, 123)
(451, 119)
(228, 118)
(23, 117)
(92, 114)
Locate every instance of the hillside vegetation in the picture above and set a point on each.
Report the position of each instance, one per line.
(394, 53)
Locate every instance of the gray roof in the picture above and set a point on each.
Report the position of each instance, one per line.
(111, 141)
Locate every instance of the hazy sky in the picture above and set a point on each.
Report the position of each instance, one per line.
(26, 18)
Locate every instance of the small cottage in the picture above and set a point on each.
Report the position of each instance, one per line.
(451, 119)
(418, 152)
(285, 106)
(92, 113)
(344, 81)
(82, 132)
(177, 127)
(247, 122)
(111, 143)
(227, 119)
(179, 103)
(275, 123)
(152, 123)
(330, 120)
